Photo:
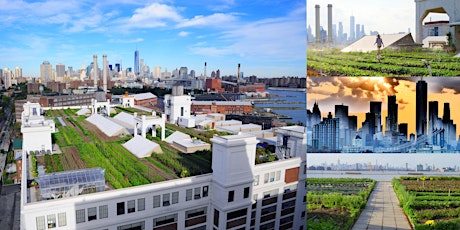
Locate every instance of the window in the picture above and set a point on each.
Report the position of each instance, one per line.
(272, 177)
(175, 197)
(188, 195)
(164, 220)
(120, 208)
(266, 175)
(237, 214)
(141, 204)
(181, 111)
(216, 218)
(156, 201)
(92, 214)
(246, 192)
(278, 175)
(231, 196)
(197, 193)
(288, 204)
(205, 191)
(80, 216)
(62, 219)
(303, 214)
(51, 220)
(41, 222)
(256, 180)
(131, 206)
(195, 212)
(103, 212)
(268, 210)
(166, 199)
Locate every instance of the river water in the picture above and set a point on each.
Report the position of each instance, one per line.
(286, 102)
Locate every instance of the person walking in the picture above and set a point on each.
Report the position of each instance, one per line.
(379, 43)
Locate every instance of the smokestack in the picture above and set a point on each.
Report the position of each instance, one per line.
(329, 23)
(317, 35)
(238, 73)
(95, 70)
(104, 72)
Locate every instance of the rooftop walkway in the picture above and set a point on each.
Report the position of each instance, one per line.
(382, 210)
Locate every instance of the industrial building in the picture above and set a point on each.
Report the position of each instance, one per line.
(223, 107)
(237, 195)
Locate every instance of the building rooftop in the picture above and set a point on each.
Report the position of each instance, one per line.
(141, 147)
(143, 96)
(107, 126)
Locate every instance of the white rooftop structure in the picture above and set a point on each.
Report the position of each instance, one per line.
(142, 147)
(228, 123)
(240, 128)
(177, 136)
(84, 111)
(143, 96)
(434, 42)
(367, 43)
(126, 120)
(190, 145)
(36, 129)
(241, 103)
(107, 126)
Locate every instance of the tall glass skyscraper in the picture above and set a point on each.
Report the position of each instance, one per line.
(421, 96)
(137, 68)
(352, 28)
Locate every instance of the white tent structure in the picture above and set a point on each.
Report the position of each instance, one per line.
(107, 126)
(367, 43)
(141, 147)
(177, 136)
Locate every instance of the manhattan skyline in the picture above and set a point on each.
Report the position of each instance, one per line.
(358, 92)
(267, 38)
(387, 17)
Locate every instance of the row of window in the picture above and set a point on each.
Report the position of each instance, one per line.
(91, 213)
(51, 221)
(268, 177)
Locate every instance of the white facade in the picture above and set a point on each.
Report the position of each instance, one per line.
(35, 129)
(237, 195)
(177, 106)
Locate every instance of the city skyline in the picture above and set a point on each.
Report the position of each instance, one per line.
(167, 34)
(392, 17)
(358, 92)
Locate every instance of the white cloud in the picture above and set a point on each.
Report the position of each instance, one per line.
(217, 19)
(183, 34)
(280, 39)
(153, 15)
(126, 40)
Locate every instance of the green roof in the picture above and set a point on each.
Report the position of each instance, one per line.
(17, 143)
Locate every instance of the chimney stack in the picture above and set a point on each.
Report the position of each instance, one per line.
(329, 23)
(317, 34)
(95, 70)
(238, 73)
(104, 72)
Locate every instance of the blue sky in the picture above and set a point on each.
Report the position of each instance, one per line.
(266, 37)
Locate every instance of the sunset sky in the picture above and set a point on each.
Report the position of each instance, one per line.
(357, 92)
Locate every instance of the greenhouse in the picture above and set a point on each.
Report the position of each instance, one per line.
(71, 183)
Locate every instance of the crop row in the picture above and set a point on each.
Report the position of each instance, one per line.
(321, 203)
(392, 63)
(428, 201)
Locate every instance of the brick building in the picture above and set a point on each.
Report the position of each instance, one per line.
(223, 107)
(214, 85)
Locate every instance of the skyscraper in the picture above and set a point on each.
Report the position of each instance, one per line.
(352, 28)
(433, 115)
(446, 113)
(60, 72)
(392, 118)
(421, 95)
(340, 33)
(376, 108)
(136, 62)
(46, 71)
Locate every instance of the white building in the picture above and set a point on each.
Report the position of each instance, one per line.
(237, 195)
(36, 130)
(177, 104)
